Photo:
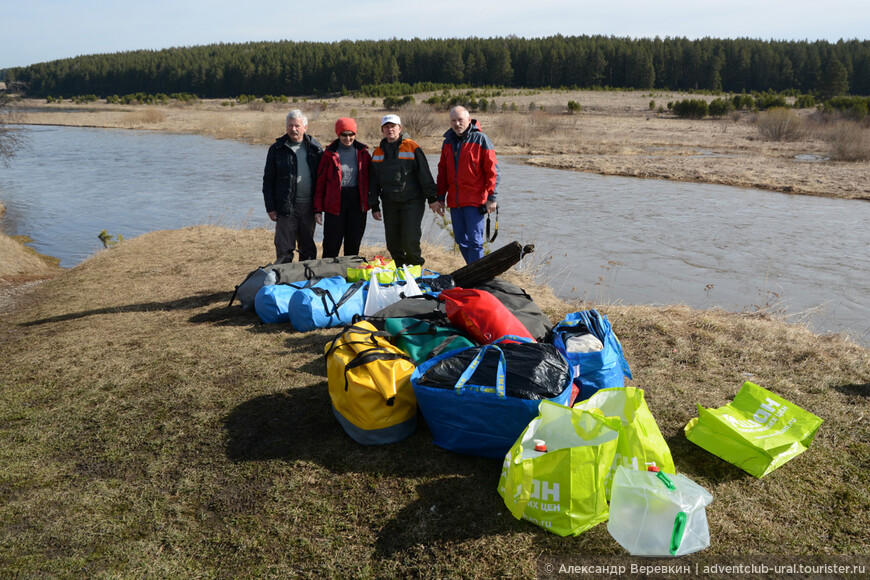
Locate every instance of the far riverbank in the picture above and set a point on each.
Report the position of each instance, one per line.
(616, 133)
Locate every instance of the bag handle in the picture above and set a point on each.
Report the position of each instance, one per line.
(513, 338)
(353, 289)
(371, 337)
(323, 294)
(459, 388)
(603, 326)
(391, 271)
(598, 325)
(370, 356)
(521, 481)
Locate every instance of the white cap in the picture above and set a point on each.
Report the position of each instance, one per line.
(390, 119)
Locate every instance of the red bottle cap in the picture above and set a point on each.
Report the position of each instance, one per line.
(653, 468)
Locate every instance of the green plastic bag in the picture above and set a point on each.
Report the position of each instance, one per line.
(641, 444)
(757, 432)
(561, 489)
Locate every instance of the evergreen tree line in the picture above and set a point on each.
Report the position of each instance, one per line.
(304, 68)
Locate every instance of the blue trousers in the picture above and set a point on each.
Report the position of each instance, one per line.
(468, 226)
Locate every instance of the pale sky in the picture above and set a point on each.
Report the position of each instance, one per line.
(33, 31)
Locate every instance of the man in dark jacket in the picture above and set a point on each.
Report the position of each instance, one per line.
(289, 180)
(467, 182)
(401, 180)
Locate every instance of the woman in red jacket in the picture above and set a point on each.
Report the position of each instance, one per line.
(342, 191)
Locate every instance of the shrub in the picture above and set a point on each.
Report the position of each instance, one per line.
(769, 100)
(720, 107)
(652, 105)
(184, 97)
(573, 107)
(691, 109)
(804, 102)
(780, 124)
(81, 99)
(393, 103)
(743, 101)
(418, 120)
(853, 107)
(850, 141)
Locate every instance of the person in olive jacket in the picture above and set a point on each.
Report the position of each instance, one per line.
(343, 191)
(401, 180)
(289, 181)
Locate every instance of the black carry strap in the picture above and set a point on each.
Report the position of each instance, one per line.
(324, 294)
(495, 235)
(370, 356)
(353, 328)
(375, 353)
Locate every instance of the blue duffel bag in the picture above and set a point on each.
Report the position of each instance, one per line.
(272, 302)
(328, 303)
(593, 369)
(478, 400)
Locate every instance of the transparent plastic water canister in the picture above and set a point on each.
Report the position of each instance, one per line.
(657, 514)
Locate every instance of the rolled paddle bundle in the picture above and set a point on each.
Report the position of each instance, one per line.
(491, 265)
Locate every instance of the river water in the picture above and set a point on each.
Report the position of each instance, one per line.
(610, 239)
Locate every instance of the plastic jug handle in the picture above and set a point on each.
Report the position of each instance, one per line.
(679, 530)
(663, 477)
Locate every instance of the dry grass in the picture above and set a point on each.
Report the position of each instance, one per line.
(850, 141)
(144, 116)
(148, 430)
(780, 124)
(616, 133)
(18, 260)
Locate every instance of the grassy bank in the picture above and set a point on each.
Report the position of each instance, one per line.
(627, 133)
(19, 262)
(149, 430)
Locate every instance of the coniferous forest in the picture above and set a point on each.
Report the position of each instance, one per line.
(316, 68)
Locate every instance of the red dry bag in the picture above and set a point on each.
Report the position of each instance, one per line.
(481, 315)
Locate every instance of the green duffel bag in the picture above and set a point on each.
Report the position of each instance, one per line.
(421, 340)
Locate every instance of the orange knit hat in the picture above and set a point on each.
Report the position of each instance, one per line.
(345, 124)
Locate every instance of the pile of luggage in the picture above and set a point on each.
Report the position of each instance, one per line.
(493, 377)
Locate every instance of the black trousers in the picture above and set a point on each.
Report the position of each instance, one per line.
(348, 226)
(295, 232)
(403, 231)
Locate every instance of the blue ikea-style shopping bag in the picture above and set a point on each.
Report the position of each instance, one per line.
(478, 400)
(603, 369)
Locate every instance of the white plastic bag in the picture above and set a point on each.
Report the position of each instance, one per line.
(382, 295)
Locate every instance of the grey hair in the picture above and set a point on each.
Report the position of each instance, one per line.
(297, 114)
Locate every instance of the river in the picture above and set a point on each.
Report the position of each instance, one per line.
(611, 239)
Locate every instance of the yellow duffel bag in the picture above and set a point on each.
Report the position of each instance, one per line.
(370, 386)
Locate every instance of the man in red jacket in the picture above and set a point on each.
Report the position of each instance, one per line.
(467, 181)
